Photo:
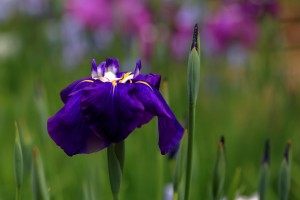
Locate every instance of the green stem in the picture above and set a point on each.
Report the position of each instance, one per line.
(115, 157)
(116, 196)
(18, 193)
(175, 196)
(189, 150)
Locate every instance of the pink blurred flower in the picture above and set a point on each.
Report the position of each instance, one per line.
(230, 25)
(91, 13)
(131, 18)
(180, 40)
(131, 15)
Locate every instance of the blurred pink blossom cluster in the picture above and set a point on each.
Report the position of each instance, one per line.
(171, 23)
(184, 21)
(236, 23)
(126, 17)
(228, 26)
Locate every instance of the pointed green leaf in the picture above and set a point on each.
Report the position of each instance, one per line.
(38, 177)
(219, 171)
(18, 155)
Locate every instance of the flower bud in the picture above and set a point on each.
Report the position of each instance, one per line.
(263, 183)
(194, 68)
(285, 173)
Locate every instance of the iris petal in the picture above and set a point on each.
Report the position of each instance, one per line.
(69, 130)
(113, 110)
(138, 67)
(94, 69)
(112, 65)
(152, 79)
(149, 99)
(77, 85)
(170, 131)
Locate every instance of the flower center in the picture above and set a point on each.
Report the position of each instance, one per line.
(107, 72)
(111, 77)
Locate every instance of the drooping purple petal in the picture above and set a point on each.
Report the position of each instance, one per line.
(152, 104)
(113, 110)
(69, 130)
(112, 65)
(152, 79)
(170, 131)
(76, 85)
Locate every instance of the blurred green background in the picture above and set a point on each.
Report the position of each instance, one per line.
(248, 93)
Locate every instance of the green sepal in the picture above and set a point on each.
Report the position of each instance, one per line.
(193, 76)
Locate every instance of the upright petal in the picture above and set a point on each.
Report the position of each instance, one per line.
(112, 65)
(76, 85)
(170, 131)
(112, 110)
(69, 131)
(137, 68)
(101, 69)
(94, 70)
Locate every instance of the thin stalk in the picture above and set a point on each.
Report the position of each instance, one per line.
(175, 196)
(189, 150)
(116, 196)
(18, 193)
(115, 157)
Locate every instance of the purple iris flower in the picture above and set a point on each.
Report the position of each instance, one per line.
(106, 107)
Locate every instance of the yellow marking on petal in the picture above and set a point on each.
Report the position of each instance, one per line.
(88, 81)
(114, 83)
(124, 76)
(145, 83)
